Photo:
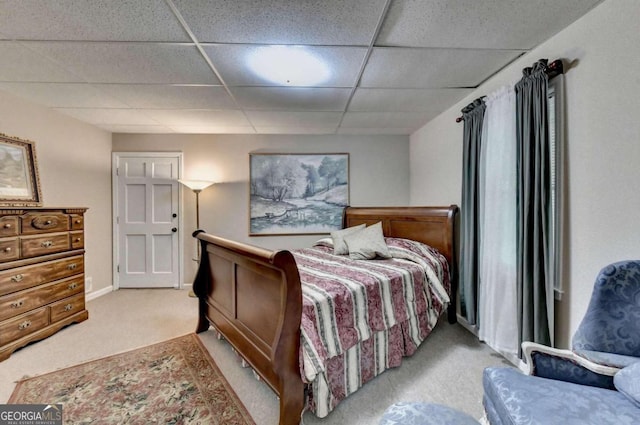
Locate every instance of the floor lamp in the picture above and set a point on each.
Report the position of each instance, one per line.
(196, 186)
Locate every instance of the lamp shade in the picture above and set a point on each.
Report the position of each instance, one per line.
(196, 184)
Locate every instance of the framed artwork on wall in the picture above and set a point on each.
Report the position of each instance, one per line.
(297, 193)
(19, 178)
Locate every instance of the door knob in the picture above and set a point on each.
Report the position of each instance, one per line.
(175, 229)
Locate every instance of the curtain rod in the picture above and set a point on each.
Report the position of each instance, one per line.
(554, 69)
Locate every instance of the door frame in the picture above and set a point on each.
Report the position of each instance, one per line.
(115, 161)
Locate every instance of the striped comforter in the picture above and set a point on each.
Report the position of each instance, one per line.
(360, 318)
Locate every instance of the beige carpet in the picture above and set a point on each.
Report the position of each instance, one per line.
(446, 369)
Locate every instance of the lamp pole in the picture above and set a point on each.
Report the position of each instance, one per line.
(196, 186)
(197, 192)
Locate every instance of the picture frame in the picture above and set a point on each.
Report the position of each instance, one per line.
(19, 177)
(297, 193)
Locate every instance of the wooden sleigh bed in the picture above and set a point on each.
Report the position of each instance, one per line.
(253, 296)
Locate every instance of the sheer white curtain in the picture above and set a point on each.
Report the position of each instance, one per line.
(497, 303)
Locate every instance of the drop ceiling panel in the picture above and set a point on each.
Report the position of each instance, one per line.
(411, 100)
(91, 20)
(78, 95)
(109, 116)
(21, 64)
(211, 129)
(344, 22)
(292, 98)
(198, 118)
(433, 68)
(231, 61)
(155, 129)
(130, 62)
(296, 130)
(294, 119)
(384, 119)
(491, 24)
(376, 130)
(164, 96)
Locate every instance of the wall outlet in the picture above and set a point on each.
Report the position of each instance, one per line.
(88, 284)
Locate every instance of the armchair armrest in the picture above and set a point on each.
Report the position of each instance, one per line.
(565, 365)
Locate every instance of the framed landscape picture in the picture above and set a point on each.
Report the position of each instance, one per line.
(19, 179)
(297, 193)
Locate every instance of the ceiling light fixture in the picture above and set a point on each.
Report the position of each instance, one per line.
(288, 66)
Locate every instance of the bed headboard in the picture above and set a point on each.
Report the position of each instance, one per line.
(434, 226)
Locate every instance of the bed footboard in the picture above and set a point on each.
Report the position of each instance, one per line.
(253, 297)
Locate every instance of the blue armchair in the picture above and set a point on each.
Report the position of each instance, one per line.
(597, 382)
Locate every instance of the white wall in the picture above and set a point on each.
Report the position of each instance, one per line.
(378, 170)
(603, 147)
(74, 161)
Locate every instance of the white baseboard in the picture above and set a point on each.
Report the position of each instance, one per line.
(462, 321)
(104, 291)
(95, 294)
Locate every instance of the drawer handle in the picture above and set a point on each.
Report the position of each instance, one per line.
(7, 249)
(48, 222)
(68, 307)
(7, 226)
(47, 244)
(72, 266)
(77, 240)
(73, 285)
(24, 325)
(17, 304)
(17, 278)
(78, 221)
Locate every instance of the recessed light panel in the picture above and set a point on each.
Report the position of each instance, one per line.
(288, 66)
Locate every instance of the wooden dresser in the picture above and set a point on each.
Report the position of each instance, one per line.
(41, 273)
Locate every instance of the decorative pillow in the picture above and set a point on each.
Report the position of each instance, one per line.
(627, 381)
(328, 242)
(339, 247)
(367, 244)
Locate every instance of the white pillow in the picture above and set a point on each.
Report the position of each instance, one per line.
(367, 244)
(328, 242)
(339, 247)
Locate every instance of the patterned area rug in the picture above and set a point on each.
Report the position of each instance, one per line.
(173, 382)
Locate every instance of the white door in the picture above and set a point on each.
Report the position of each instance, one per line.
(147, 220)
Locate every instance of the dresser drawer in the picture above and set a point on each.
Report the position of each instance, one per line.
(9, 226)
(20, 302)
(77, 240)
(67, 307)
(28, 276)
(44, 222)
(32, 246)
(9, 249)
(65, 288)
(23, 325)
(77, 222)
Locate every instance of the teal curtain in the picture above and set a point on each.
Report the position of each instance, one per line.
(533, 173)
(473, 115)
